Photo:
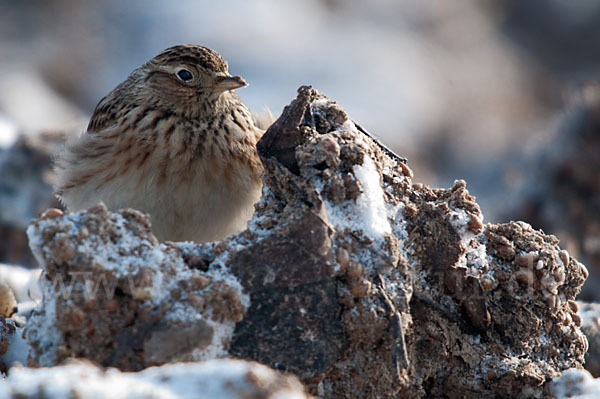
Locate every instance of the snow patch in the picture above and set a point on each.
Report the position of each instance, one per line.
(18, 350)
(371, 204)
(219, 271)
(43, 331)
(370, 213)
(459, 219)
(224, 379)
(576, 384)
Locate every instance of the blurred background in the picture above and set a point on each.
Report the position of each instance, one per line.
(501, 93)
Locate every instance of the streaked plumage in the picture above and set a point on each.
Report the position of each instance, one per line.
(173, 140)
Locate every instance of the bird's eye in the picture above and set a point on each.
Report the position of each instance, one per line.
(185, 75)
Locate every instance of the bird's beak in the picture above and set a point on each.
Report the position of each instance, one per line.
(230, 82)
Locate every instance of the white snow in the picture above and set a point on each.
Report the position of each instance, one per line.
(223, 379)
(18, 350)
(320, 103)
(474, 256)
(459, 219)
(36, 244)
(143, 255)
(44, 333)
(371, 204)
(576, 384)
(399, 226)
(370, 212)
(219, 271)
(23, 281)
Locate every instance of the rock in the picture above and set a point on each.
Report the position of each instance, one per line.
(561, 195)
(115, 295)
(223, 379)
(349, 276)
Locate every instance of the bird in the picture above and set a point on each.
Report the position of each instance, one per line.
(173, 141)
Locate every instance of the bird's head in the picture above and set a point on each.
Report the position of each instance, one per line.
(188, 76)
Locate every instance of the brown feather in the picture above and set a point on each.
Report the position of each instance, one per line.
(183, 151)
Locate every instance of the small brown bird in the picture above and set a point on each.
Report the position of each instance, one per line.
(173, 140)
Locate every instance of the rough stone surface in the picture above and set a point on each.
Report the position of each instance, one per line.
(563, 195)
(115, 295)
(355, 279)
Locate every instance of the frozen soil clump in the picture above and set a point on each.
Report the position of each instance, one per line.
(561, 194)
(349, 276)
(115, 295)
